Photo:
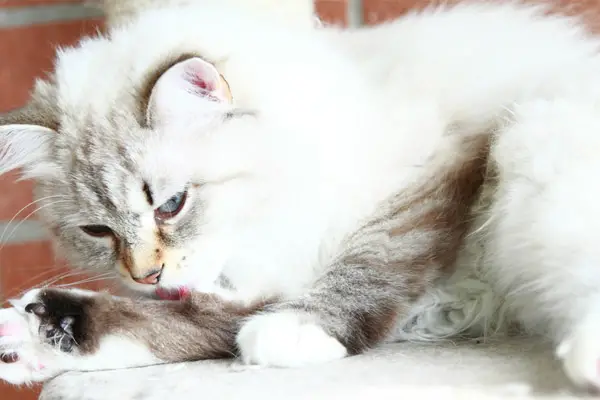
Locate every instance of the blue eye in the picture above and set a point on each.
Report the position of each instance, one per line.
(171, 207)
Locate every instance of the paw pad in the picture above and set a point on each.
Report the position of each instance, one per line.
(10, 330)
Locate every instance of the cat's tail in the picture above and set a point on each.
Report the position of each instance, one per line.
(463, 304)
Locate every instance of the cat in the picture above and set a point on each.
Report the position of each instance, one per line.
(299, 195)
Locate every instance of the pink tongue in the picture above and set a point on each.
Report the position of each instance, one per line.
(173, 294)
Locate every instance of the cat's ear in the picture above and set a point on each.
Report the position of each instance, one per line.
(190, 88)
(26, 135)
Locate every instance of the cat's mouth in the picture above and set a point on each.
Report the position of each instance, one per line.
(179, 293)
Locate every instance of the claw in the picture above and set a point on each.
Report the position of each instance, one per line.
(66, 324)
(9, 358)
(36, 308)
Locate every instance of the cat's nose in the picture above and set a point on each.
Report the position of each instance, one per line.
(151, 278)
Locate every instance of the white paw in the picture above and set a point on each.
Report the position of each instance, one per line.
(286, 339)
(24, 357)
(580, 354)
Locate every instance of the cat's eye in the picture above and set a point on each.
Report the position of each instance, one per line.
(171, 207)
(97, 230)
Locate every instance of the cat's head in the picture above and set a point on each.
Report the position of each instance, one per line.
(119, 192)
(189, 150)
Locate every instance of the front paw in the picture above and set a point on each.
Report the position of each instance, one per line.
(38, 333)
(580, 354)
(286, 339)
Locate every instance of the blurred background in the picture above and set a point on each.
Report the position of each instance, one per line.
(30, 31)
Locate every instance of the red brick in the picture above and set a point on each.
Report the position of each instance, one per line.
(31, 51)
(8, 392)
(24, 265)
(376, 11)
(28, 265)
(14, 196)
(332, 11)
(25, 3)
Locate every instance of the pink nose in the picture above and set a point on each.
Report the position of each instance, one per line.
(152, 278)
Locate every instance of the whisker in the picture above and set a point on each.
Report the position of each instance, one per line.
(88, 280)
(66, 276)
(19, 291)
(33, 279)
(52, 279)
(21, 210)
(3, 243)
(60, 277)
(73, 271)
(29, 215)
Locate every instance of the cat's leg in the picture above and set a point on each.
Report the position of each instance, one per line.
(541, 244)
(50, 331)
(385, 267)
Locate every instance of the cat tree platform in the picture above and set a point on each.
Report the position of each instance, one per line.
(499, 369)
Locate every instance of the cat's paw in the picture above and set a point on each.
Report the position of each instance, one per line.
(25, 349)
(580, 354)
(38, 334)
(286, 339)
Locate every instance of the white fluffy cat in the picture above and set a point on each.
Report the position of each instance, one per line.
(330, 172)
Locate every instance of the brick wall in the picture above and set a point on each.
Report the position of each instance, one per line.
(30, 30)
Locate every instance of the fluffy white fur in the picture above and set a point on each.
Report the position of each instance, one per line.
(287, 339)
(349, 117)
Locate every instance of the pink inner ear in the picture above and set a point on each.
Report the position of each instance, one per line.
(203, 80)
(201, 76)
(202, 84)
